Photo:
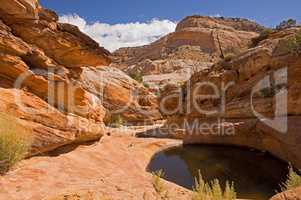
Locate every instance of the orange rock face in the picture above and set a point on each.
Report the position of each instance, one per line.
(195, 31)
(196, 44)
(111, 169)
(238, 108)
(290, 195)
(46, 64)
(51, 128)
(56, 81)
(36, 52)
(121, 95)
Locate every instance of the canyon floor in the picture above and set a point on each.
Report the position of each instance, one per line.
(112, 168)
(66, 91)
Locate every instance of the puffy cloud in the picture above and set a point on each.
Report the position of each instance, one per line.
(216, 15)
(115, 36)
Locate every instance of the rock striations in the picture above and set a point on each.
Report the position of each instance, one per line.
(53, 76)
(197, 43)
(62, 85)
(247, 102)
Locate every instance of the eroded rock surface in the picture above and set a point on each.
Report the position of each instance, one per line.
(50, 74)
(56, 81)
(238, 115)
(196, 44)
(91, 172)
(121, 94)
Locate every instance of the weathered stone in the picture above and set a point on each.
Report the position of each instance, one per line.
(120, 94)
(91, 173)
(51, 128)
(242, 106)
(196, 44)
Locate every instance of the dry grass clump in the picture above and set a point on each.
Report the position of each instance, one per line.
(158, 185)
(293, 181)
(212, 190)
(202, 190)
(229, 57)
(116, 121)
(15, 141)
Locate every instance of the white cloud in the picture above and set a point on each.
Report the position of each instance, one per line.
(216, 15)
(115, 36)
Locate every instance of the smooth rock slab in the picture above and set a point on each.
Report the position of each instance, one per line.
(113, 168)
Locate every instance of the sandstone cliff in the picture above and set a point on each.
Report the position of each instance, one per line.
(57, 81)
(53, 78)
(196, 44)
(236, 101)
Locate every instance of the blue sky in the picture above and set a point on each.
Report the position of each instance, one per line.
(125, 23)
(267, 12)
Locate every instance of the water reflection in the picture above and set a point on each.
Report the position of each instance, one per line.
(256, 175)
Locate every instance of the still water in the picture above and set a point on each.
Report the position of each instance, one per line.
(256, 175)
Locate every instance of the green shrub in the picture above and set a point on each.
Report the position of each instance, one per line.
(293, 181)
(146, 85)
(15, 141)
(293, 45)
(263, 35)
(229, 57)
(230, 53)
(286, 24)
(267, 92)
(136, 75)
(212, 190)
(116, 121)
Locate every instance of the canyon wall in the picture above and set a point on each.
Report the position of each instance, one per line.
(54, 79)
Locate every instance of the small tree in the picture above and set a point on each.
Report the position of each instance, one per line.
(146, 85)
(262, 36)
(293, 45)
(136, 75)
(286, 24)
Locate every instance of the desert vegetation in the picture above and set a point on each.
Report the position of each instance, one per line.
(158, 185)
(15, 141)
(212, 190)
(136, 75)
(262, 36)
(294, 44)
(116, 121)
(286, 24)
(202, 190)
(293, 181)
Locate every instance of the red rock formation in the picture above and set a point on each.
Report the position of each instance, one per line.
(195, 31)
(60, 67)
(196, 44)
(270, 59)
(121, 95)
(111, 169)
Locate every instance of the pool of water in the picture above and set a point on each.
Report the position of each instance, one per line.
(256, 175)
